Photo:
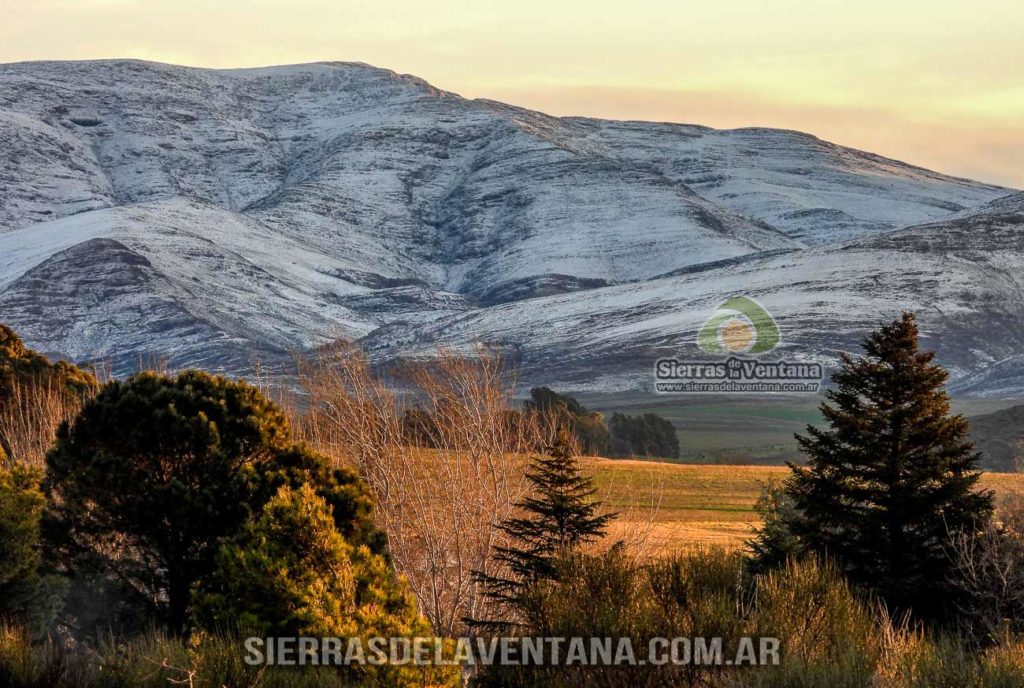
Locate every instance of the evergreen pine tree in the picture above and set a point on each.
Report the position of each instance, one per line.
(774, 542)
(558, 517)
(893, 476)
(144, 485)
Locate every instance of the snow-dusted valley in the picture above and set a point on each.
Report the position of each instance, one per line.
(204, 216)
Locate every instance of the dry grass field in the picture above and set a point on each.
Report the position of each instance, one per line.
(684, 505)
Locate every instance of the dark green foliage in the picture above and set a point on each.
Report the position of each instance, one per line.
(291, 572)
(153, 473)
(21, 505)
(646, 435)
(346, 495)
(592, 434)
(774, 542)
(587, 427)
(559, 516)
(25, 596)
(594, 596)
(893, 476)
(545, 400)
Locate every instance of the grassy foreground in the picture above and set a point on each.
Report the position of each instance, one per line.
(684, 505)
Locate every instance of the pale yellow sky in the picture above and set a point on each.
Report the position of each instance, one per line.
(939, 83)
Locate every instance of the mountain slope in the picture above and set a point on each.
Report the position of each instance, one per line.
(964, 277)
(147, 209)
(999, 436)
(256, 289)
(397, 178)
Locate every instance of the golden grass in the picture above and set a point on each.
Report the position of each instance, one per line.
(702, 504)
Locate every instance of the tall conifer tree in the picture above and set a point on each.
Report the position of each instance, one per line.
(894, 474)
(559, 516)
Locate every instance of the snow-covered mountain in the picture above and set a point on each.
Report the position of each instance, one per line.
(148, 210)
(963, 276)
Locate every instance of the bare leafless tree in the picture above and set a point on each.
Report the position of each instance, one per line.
(989, 574)
(30, 416)
(442, 497)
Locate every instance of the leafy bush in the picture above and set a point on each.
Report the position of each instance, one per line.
(25, 596)
(594, 595)
(155, 660)
(828, 635)
(290, 573)
(700, 592)
(27, 663)
(612, 595)
(774, 542)
(19, 364)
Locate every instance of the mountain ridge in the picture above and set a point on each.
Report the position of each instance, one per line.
(280, 207)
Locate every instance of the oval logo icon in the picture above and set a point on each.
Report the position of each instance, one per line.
(739, 325)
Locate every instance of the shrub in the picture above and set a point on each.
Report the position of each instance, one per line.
(700, 593)
(154, 660)
(25, 663)
(25, 595)
(290, 573)
(609, 594)
(593, 596)
(828, 635)
(774, 542)
(987, 579)
(1003, 666)
(19, 364)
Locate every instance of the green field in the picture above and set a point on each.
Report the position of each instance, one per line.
(689, 505)
(741, 429)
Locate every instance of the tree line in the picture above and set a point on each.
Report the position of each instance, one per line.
(620, 436)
